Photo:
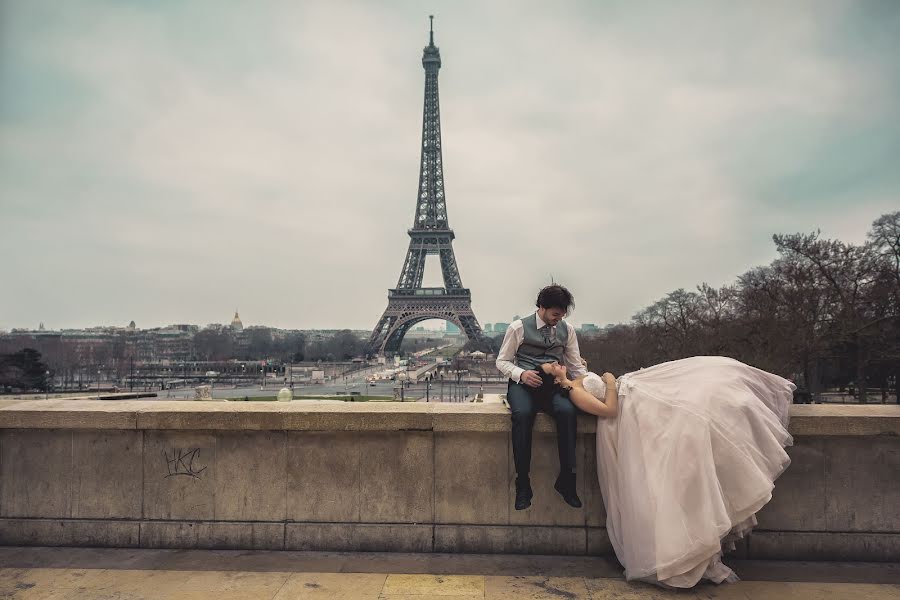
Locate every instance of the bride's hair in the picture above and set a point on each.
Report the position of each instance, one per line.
(595, 386)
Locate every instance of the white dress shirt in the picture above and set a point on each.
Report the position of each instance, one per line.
(515, 334)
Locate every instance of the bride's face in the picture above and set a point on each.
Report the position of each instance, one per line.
(557, 370)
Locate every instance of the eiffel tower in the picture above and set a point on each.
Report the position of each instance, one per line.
(410, 303)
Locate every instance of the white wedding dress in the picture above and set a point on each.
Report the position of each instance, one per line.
(688, 461)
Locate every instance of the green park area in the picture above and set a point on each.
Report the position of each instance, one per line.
(447, 352)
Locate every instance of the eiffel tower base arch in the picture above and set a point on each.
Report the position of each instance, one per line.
(404, 311)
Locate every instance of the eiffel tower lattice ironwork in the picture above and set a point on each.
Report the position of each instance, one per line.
(410, 303)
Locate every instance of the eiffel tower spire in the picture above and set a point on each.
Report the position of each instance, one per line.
(410, 303)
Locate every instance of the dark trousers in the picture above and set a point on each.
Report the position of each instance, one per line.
(524, 403)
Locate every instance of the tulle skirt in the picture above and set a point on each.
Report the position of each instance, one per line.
(687, 463)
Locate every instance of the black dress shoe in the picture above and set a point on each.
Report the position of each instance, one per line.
(523, 494)
(565, 485)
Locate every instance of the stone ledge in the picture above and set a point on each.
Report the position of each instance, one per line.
(300, 415)
(845, 419)
(824, 546)
(422, 538)
(70, 532)
(320, 537)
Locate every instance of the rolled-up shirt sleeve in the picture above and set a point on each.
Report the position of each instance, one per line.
(507, 355)
(572, 355)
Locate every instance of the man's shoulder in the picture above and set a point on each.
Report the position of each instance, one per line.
(517, 324)
(531, 319)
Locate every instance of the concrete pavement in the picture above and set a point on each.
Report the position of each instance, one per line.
(120, 574)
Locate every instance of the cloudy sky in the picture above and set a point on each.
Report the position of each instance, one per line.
(169, 162)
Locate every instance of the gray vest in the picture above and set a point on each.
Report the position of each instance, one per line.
(535, 349)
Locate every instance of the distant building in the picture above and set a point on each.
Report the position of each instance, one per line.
(452, 328)
(420, 333)
(488, 328)
(236, 324)
(501, 327)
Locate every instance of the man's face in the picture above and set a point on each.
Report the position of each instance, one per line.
(551, 316)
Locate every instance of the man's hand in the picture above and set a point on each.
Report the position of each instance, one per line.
(608, 378)
(531, 379)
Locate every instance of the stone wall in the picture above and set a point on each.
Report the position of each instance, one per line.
(410, 477)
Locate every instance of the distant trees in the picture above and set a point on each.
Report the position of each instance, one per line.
(343, 345)
(823, 312)
(263, 343)
(260, 343)
(291, 348)
(486, 344)
(410, 344)
(23, 370)
(214, 344)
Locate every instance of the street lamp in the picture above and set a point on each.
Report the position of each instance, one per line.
(47, 385)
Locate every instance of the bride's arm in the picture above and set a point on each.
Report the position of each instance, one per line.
(586, 401)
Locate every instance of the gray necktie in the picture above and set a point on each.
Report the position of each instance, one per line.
(547, 332)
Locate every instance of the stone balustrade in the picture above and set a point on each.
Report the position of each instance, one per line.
(410, 477)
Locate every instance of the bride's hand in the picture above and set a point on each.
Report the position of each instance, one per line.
(608, 378)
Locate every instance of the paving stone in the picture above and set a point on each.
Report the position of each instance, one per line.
(434, 586)
(332, 586)
(535, 588)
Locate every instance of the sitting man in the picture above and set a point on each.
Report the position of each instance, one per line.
(539, 338)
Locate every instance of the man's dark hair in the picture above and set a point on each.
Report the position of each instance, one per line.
(555, 296)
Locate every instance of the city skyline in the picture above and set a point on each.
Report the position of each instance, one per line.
(165, 163)
(431, 325)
